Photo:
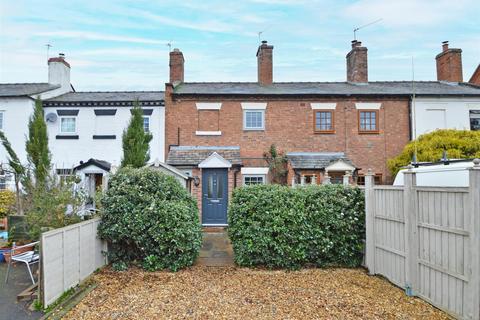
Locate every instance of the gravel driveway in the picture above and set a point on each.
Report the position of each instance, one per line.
(239, 293)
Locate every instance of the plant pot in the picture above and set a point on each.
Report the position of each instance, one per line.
(7, 255)
(3, 251)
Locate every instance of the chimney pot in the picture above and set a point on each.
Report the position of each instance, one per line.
(449, 64)
(265, 64)
(445, 46)
(357, 63)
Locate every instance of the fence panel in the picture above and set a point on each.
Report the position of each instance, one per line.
(427, 241)
(68, 256)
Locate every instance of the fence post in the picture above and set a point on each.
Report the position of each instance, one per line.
(370, 222)
(473, 311)
(411, 231)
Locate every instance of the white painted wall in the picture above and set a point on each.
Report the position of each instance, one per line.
(69, 153)
(443, 113)
(16, 113)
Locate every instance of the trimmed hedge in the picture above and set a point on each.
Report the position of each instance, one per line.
(149, 218)
(282, 227)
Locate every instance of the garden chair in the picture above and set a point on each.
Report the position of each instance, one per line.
(28, 257)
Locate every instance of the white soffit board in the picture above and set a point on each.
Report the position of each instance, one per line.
(208, 133)
(340, 165)
(254, 105)
(215, 161)
(473, 106)
(254, 170)
(323, 106)
(208, 105)
(368, 106)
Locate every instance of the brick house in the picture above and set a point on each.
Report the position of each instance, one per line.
(219, 132)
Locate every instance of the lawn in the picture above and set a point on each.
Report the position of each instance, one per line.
(240, 293)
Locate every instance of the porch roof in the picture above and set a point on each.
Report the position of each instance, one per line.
(316, 160)
(193, 155)
(102, 164)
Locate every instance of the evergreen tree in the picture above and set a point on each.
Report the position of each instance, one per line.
(18, 169)
(459, 144)
(135, 140)
(38, 154)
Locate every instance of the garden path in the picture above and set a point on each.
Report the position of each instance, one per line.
(216, 249)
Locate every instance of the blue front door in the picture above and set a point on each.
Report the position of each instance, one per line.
(214, 196)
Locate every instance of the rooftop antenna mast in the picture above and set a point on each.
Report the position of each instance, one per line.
(48, 45)
(169, 45)
(414, 112)
(364, 26)
(261, 32)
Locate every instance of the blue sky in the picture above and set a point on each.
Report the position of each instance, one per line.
(122, 45)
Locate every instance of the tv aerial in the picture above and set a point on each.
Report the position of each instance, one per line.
(364, 26)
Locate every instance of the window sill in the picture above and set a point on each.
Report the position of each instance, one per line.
(325, 132)
(208, 133)
(369, 132)
(66, 137)
(104, 137)
(249, 130)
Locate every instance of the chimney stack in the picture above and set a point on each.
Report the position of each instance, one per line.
(449, 64)
(357, 63)
(265, 64)
(59, 72)
(176, 66)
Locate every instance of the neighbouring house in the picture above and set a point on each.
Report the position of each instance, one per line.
(449, 103)
(82, 126)
(475, 79)
(330, 131)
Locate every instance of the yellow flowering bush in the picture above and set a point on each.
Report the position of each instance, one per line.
(7, 201)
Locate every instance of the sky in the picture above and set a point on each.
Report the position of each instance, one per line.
(123, 45)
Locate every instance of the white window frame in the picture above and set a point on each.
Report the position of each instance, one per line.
(143, 122)
(262, 112)
(2, 120)
(60, 124)
(263, 176)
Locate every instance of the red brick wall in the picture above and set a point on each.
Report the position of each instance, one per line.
(449, 65)
(357, 63)
(289, 125)
(176, 66)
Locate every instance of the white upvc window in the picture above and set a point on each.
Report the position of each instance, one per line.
(146, 124)
(2, 118)
(251, 179)
(254, 119)
(68, 125)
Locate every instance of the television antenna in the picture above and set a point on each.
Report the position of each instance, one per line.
(364, 26)
(261, 32)
(169, 45)
(48, 45)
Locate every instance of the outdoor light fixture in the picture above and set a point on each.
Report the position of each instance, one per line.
(196, 181)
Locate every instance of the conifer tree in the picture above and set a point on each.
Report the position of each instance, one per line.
(18, 169)
(135, 140)
(38, 154)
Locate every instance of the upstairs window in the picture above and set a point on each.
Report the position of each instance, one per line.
(253, 119)
(368, 121)
(475, 120)
(323, 121)
(146, 124)
(68, 125)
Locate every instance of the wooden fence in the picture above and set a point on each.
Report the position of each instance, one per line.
(68, 256)
(427, 241)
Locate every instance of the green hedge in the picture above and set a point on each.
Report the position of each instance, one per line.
(149, 218)
(281, 227)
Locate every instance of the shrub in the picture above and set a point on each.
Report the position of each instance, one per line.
(7, 202)
(281, 227)
(459, 144)
(149, 218)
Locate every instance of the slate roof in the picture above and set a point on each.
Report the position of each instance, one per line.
(193, 155)
(383, 88)
(85, 96)
(106, 99)
(315, 160)
(102, 164)
(25, 89)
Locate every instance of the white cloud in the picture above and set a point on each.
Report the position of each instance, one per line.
(85, 35)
